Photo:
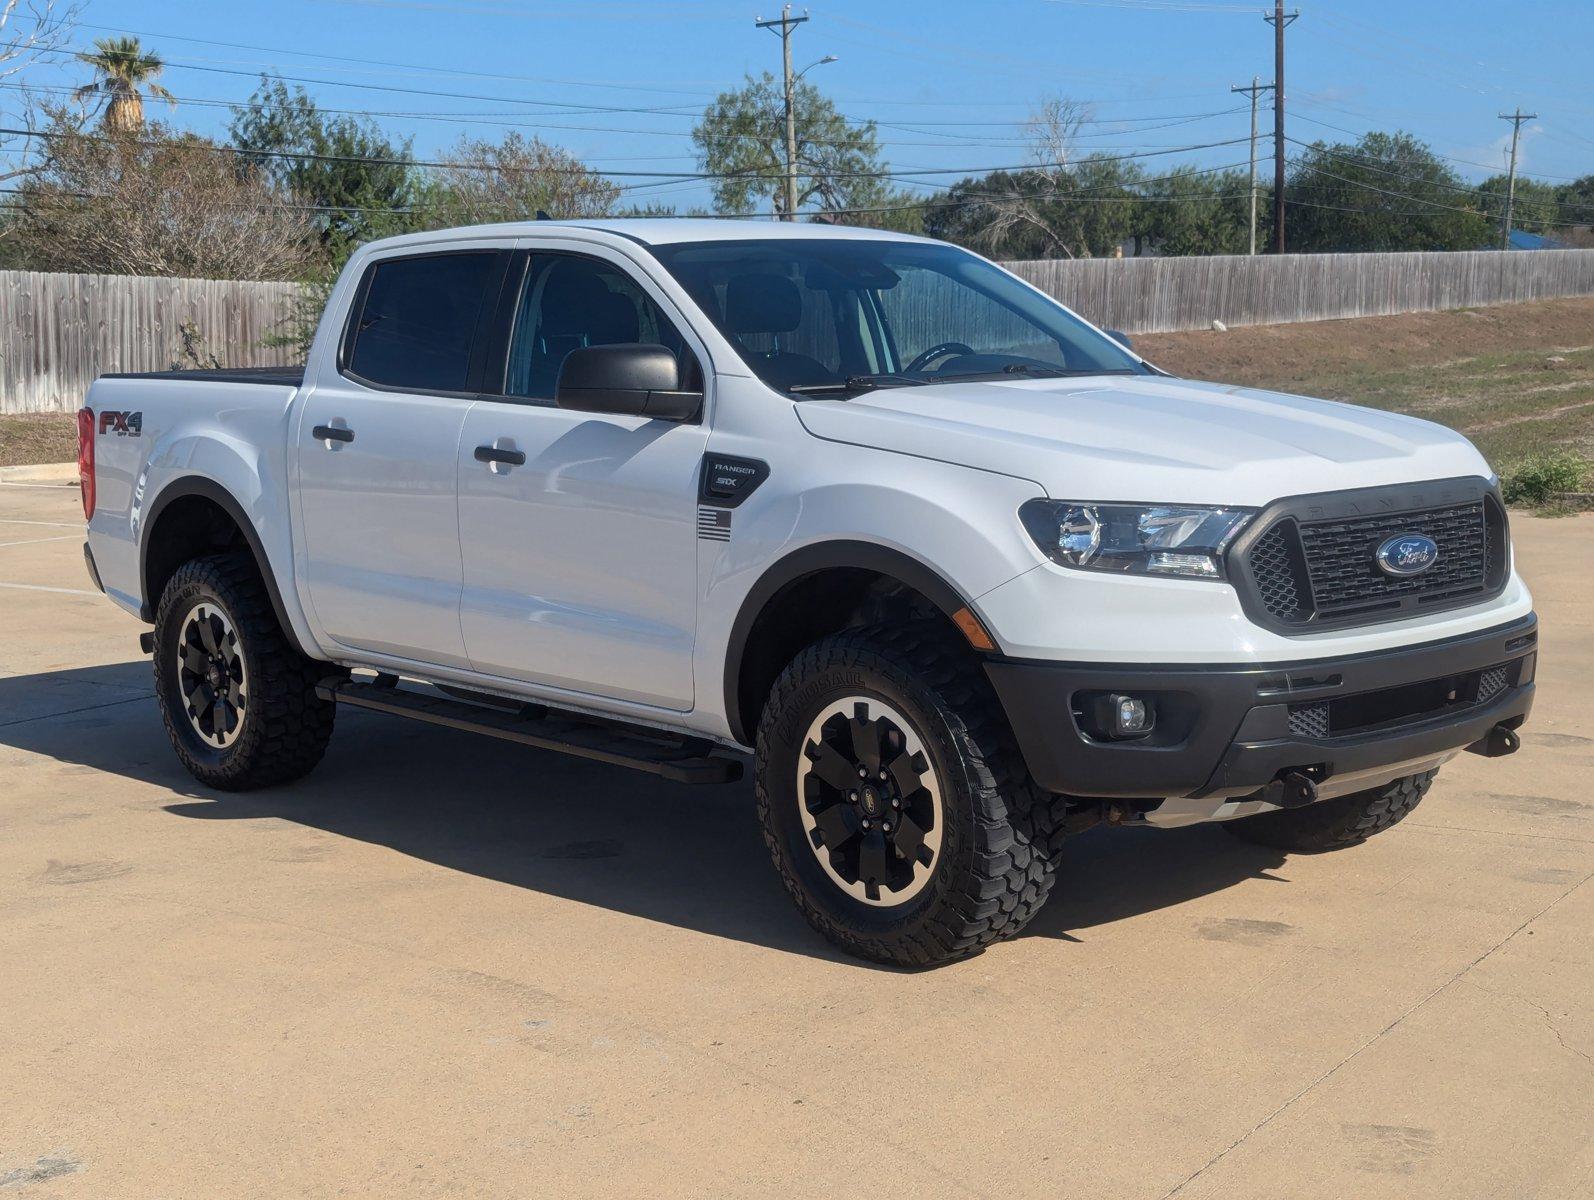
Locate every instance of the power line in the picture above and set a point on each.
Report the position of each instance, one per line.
(435, 164)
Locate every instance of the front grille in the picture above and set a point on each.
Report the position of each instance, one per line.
(1309, 720)
(1345, 577)
(1399, 705)
(1311, 566)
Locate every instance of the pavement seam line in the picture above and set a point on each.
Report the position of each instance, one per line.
(70, 711)
(1505, 833)
(1377, 1037)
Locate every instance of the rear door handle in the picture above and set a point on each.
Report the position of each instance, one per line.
(492, 454)
(332, 433)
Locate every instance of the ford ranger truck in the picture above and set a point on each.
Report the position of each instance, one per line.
(962, 573)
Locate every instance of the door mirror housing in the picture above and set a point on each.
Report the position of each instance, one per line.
(1119, 336)
(631, 379)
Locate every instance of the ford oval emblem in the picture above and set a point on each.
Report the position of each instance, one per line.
(1407, 554)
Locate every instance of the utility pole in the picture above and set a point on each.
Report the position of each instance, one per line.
(1256, 89)
(1278, 19)
(1516, 120)
(785, 24)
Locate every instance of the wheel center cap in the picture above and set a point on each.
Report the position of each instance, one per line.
(869, 801)
(214, 676)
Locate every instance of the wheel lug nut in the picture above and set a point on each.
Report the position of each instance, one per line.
(896, 802)
(885, 826)
(853, 796)
(884, 777)
(863, 772)
(866, 822)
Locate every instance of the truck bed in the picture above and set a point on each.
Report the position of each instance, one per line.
(275, 376)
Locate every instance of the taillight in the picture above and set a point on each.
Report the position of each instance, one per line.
(85, 459)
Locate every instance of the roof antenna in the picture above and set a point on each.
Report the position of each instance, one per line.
(542, 215)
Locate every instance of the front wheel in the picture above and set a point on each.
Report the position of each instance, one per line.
(238, 699)
(899, 813)
(1337, 823)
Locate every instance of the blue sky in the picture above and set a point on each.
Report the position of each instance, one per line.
(950, 82)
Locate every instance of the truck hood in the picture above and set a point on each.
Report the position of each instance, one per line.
(1148, 437)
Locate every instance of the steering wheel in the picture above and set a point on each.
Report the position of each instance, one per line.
(939, 350)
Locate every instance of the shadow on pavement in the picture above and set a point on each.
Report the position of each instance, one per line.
(686, 856)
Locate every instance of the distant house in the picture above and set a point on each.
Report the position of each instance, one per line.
(1521, 239)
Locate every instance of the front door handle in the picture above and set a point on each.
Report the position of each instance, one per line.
(493, 454)
(332, 433)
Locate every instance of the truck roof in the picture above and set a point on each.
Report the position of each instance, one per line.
(657, 231)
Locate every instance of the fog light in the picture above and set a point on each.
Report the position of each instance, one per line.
(1118, 716)
(1131, 717)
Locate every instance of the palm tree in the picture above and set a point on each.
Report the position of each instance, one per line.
(124, 71)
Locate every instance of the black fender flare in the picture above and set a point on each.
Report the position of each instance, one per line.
(209, 489)
(810, 560)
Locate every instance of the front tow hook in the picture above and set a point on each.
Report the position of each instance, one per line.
(1291, 789)
(1497, 743)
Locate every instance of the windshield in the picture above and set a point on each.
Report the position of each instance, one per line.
(825, 316)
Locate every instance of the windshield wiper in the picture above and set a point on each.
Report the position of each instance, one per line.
(857, 383)
(1039, 371)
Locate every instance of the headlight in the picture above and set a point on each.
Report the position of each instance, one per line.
(1140, 539)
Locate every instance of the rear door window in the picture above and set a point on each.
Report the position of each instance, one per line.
(417, 326)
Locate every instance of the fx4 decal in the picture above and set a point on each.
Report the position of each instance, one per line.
(123, 424)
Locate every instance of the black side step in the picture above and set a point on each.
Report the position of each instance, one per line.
(685, 760)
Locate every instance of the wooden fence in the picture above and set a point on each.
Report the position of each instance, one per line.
(58, 332)
(1162, 295)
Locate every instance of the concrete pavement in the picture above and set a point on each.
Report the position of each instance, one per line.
(444, 966)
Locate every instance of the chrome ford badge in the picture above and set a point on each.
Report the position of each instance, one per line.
(1406, 554)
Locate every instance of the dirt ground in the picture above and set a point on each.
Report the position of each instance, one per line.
(443, 966)
(29, 438)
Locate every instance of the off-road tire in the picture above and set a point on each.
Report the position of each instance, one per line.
(1337, 823)
(1002, 835)
(285, 726)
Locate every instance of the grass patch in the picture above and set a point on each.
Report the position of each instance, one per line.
(1539, 481)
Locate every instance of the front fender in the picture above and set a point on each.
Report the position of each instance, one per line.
(948, 532)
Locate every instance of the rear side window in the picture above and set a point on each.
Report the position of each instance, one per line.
(417, 325)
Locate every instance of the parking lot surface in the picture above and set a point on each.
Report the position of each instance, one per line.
(445, 966)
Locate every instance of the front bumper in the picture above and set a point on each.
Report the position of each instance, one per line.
(1224, 733)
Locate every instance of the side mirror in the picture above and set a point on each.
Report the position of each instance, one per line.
(630, 378)
(1119, 336)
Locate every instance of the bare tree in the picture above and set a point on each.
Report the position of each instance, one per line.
(30, 30)
(154, 204)
(514, 180)
(1028, 201)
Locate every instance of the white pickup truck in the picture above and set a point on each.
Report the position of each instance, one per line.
(963, 572)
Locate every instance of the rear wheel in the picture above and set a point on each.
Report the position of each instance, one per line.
(237, 698)
(1334, 824)
(895, 805)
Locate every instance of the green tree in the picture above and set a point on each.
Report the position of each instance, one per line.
(1087, 209)
(358, 181)
(1535, 208)
(1188, 212)
(741, 140)
(124, 73)
(1387, 191)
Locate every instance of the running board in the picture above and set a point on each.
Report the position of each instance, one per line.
(683, 759)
